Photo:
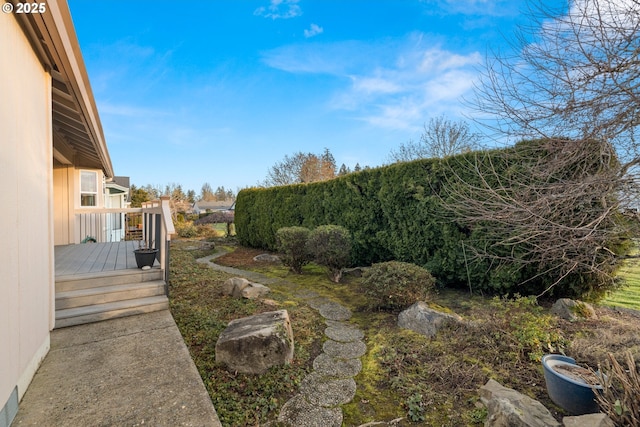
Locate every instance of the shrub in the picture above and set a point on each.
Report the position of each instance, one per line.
(396, 285)
(292, 245)
(186, 229)
(330, 246)
(620, 398)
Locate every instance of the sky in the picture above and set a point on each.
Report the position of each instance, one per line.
(218, 91)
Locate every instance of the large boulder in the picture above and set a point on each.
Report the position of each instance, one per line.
(234, 286)
(572, 310)
(253, 344)
(424, 320)
(239, 287)
(255, 291)
(508, 408)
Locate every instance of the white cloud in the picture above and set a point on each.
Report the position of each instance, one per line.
(472, 7)
(280, 9)
(314, 30)
(395, 84)
(371, 85)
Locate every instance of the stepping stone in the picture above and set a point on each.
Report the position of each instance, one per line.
(344, 333)
(335, 367)
(299, 412)
(306, 294)
(327, 391)
(348, 350)
(319, 302)
(334, 311)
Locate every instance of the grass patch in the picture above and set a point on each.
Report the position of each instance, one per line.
(430, 381)
(629, 295)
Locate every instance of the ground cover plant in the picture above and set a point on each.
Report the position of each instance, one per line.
(425, 381)
(201, 314)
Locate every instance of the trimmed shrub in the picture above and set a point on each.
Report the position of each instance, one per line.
(396, 212)
(186, 229)
(330, 246)
(396, 285)
(292, 245)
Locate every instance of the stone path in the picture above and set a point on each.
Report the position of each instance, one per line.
(331, 383)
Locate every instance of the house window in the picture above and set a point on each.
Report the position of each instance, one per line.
(88, 188)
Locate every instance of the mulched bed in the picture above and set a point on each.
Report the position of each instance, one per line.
(241, 257)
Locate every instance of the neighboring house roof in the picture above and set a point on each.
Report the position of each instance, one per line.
(119, 184)
(78, 135)
(215, 205)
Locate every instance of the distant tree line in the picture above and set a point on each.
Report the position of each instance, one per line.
(180, 201)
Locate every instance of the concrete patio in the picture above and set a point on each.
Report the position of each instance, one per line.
(130, 371)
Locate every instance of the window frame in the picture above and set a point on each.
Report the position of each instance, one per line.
(84, 192)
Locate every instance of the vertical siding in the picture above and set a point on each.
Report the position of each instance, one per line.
(62, 205)
(26, 214)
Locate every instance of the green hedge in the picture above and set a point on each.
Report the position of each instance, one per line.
(394, 213)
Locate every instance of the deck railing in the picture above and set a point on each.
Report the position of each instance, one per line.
(151, 225)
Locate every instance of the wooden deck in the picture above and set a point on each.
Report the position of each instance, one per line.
(94, 258)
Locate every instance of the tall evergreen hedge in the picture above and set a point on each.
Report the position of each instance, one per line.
(395, 213)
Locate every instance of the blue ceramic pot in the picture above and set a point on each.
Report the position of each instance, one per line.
(574, 396)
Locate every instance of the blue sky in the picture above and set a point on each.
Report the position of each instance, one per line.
(218, 91)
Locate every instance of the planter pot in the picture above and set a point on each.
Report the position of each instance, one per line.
(145, 257)
(571, 393)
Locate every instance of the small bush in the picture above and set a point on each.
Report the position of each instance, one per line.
(292, 245)
(620, 398)
(330, 246)
(186, 229)
(531, 329)
(396, 285)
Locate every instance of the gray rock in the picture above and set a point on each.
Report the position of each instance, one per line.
(266, 258)
(344, 333)
(298, 412)
(255, 291)
(253, 344)
(239, 287)
(337, 367)
(347, 350)
(572, 310)
(355, 271)
(334, 311)
(318, 302)
(327, 391)
(589, 420)
(424, 320)
(234, 286)
(508, 408)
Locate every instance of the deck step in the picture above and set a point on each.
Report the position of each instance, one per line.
(109, 310)
(111, 278)
(105, 294)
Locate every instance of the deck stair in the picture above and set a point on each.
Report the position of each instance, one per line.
(93, 297)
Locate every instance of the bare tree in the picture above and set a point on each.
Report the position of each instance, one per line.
(441, 138)
(300, 168)
(576, 88)
(206, 193)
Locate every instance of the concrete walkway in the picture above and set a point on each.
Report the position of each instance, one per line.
(131, 371)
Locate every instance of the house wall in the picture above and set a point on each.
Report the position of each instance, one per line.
(26, 214)
(66, 183)
(63, 205)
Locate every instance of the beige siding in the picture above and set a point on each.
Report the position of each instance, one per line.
(26, 215)
(63, 205)
(66, 182)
